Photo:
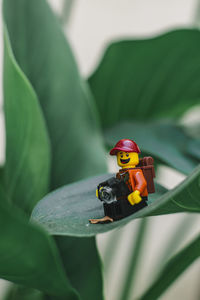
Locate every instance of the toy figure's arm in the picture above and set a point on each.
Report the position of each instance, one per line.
(141, 183)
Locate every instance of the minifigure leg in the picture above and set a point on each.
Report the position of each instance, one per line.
(103, 220)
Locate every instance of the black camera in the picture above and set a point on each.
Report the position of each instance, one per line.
(111, 189)
(106, 194)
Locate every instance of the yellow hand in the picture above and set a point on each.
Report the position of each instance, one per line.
(134, 197)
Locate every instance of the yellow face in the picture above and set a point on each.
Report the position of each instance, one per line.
(127, 159)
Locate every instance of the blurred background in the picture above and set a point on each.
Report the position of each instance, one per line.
(90, 25)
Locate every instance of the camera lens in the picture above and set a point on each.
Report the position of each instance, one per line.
(106, 195)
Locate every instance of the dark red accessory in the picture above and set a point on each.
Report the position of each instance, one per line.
(125, 145)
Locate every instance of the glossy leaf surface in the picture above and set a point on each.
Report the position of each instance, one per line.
(33, 260)
(173, 269)
(66, 211)
(25, 176)
(148, 79)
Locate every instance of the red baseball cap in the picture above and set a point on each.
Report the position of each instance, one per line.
(125, 145)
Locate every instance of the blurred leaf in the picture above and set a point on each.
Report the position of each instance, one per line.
(196, 14)
(66, 11)
(29, 256)
(173, 269)
(45, 56)
(17, 292)
(148, 79)
(88, 280)
(134, 259)
(146, 82)
(163, 140)
(193, 148)
(25, 176)
(66, 211)
(182, 230)
(112, 243)
(77, 148)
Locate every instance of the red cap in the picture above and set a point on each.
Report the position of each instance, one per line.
(125, 145)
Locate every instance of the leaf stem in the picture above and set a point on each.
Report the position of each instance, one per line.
(66, 11)
(173, 269)
(129, 279)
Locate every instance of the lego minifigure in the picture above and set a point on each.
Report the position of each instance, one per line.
(126, 193)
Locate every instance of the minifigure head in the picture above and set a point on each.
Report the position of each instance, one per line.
(127, 153)
(127, 159)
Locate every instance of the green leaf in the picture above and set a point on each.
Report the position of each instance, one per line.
(66, 12)
(141, 83)
(28, 256)
(17, 292)
(66, 211)
(196, 15)
(77, 148)
(25, 176)
(44, 55)
(173, 269)
(133, 262)
(163, 140)
(88, 280)
(193, 148)
(148, 79)
(182, 230)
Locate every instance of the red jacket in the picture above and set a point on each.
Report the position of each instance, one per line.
(135, 180)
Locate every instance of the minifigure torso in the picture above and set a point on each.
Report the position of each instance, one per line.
(134, 179)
